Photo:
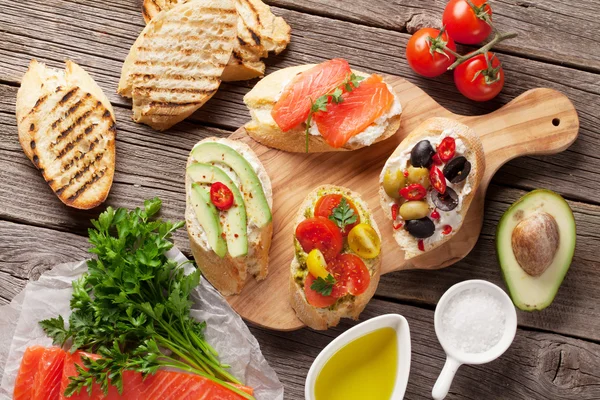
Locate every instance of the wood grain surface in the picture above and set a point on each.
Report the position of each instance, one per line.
(555, 354)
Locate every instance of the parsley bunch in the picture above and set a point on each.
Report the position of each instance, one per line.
(133, 302)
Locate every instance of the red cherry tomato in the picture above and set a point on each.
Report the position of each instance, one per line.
(446, 149)
(221, 196)
(315, 298)
(327, 203)
(355, 273)
(465, 24)
(476, 81)
(415, 191)
(427, 56)
(437, 179)
(320, 233)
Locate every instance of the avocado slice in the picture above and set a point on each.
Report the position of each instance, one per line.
(535, 242)
(250, 186)
(208, 217)
(233, 221)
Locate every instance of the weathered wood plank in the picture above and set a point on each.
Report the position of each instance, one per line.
(551, 31)
(316, 38)
(537, 366)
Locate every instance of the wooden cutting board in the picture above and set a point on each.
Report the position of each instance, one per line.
(540, 121)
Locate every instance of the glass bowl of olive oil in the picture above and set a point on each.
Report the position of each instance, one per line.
(368, 361)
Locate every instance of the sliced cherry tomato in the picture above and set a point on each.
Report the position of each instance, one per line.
(437, 179)
(316, 264)
(355, 273)
(221, 196)
(425, 52)
(320, 233)
(446, 149)
(436, 159)
(315, 298)
(326, 204)
(414, 191)
(364, 241)
(476, 81)
(467, 24)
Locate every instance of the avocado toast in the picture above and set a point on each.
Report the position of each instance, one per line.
(228, 213)
(336, 267)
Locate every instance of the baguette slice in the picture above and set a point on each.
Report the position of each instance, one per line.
(474, 154)
(66, 127)
(263, 128)
(228, 274)
(259, 32)
(323, 318)
(175, 65)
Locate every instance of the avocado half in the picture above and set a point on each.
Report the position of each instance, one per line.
(535, 242)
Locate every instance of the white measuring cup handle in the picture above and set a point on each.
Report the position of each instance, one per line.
(442, 385)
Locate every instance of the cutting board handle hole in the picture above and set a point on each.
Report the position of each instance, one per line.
(556, 121)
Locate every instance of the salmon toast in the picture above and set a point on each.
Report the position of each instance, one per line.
(24, 384)
(323, 107)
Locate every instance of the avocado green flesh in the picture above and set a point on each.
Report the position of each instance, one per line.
(254, 195)
(530, 292)
(233, 221)
(208, 217)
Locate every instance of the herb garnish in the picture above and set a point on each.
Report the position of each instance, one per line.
(323, 286)
(132, 302)
(343, 215)
(320, 104)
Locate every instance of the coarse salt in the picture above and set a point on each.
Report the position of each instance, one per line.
(473, 321)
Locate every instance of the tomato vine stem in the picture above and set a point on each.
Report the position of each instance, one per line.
(500, 37)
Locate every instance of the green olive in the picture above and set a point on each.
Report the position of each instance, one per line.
(393, 181)
(414, 210)
(418, 175)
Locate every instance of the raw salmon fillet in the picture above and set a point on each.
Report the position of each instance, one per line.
(164, 385)
(24, 385)
(49, 373)
(358, 109)
(295, 102)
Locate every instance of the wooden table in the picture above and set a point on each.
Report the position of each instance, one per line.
(556, 353)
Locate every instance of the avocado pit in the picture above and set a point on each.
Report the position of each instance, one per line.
(535, 241)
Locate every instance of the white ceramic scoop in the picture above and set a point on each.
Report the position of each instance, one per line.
(466, 303)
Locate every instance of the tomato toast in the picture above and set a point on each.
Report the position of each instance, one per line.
(228, 213)
(428, 183)
(323, 107)
(337, 261)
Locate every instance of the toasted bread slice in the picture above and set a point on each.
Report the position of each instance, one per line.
(473, 152)
(350, 307)
(263, 128)
(67, 129)
(229, 274)
(175, 65)
(259, 32)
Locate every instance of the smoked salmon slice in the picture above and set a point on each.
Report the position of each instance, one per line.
(24, 385)
(357, 110)
(164, 385)
(295, 102)
(49, 374)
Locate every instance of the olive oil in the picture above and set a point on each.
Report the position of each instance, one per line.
(363, 369)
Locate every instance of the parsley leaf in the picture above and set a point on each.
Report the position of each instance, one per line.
(323, 286)
(55, 328)
(343, 215)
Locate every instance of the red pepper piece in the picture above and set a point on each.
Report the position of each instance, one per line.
(446, 149)
(421, 245)
(437, 179)
(414, 191)
(447, 230)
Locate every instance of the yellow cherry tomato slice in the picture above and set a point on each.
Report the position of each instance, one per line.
(364, 241)
(317, 266)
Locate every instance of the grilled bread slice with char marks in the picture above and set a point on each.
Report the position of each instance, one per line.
(259, 32)
(175, 65)
(67, 129)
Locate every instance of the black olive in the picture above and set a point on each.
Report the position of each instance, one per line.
(457, 169)
(420, 228)
(445, 202)
(421, 155)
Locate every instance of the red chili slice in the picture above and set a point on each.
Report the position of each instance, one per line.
(447, 230)
(446, 149)
(436, 159)
(437, 179)
(435, 214)
(421, 245)
(395, 209)
(221, 196)
(415, 191)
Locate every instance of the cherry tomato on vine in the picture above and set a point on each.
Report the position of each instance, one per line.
(475, 80)
(425, 52)
(467, 24)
